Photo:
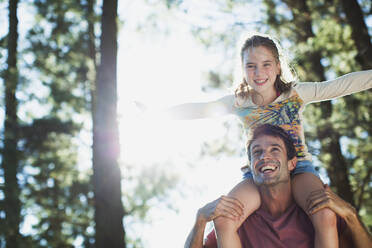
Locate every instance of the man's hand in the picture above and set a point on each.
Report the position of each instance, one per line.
(356, 235)
(328, 199)
(224, 206)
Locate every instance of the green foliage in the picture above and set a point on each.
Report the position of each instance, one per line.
(59, 47)
(146, 187)
(56, 192)
(171, 3)
(153, 187)
(53, 189)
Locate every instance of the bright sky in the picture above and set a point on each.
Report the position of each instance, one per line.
(161, 71)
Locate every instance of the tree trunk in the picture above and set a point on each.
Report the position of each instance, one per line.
(359, 33)
(10, 157)
(303, 23)
(337, 169)
(106, 173)
(92, 53)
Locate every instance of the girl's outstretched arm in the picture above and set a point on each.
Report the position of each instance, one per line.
(189, 111)
(345, 85)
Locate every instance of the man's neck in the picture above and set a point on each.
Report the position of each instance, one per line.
(276, 199)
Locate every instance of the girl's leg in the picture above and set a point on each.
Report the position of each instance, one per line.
(226, 229)
(324, 221)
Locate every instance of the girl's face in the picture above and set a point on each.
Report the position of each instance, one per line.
(260, 69)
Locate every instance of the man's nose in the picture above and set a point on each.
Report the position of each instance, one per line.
(264, 155)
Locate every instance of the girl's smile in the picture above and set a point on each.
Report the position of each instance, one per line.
(260, 71)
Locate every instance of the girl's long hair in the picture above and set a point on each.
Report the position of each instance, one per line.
(283, 82)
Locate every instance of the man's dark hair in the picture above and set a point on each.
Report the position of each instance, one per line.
(275, 131)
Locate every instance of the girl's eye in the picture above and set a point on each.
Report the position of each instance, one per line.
(267, 65)
(250, 66)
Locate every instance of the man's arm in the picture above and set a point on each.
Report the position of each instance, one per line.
(195, 238)
(223, 206)
(356, 234)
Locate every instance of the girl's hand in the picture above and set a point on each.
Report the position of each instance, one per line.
(224, 206)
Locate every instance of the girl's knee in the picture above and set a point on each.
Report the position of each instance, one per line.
(324, 218)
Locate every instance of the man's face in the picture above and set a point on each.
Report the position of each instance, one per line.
(269, 163)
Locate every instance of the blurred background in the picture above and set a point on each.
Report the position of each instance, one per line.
(82, 166)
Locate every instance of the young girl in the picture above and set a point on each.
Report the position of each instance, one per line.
(269, 95)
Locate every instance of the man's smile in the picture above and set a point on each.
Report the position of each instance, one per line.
(267, 167)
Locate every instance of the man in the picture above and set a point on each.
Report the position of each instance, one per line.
(279, 222)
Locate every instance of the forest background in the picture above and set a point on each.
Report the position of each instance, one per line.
(82, 167)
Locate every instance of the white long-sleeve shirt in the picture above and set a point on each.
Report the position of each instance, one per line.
(286, 110)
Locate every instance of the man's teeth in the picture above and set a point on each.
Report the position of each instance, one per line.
(267, 167)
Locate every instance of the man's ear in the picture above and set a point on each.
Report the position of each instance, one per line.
(292, 163)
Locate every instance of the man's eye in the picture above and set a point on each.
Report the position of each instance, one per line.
(256, 152)
(251, 66)
(267, 65)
